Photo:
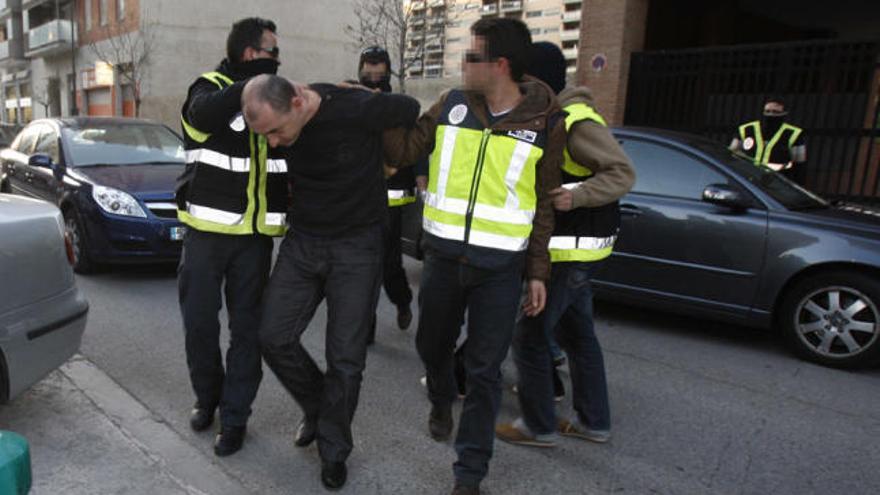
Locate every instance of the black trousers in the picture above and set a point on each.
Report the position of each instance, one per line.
(346, 272)
(394, 276)
(213, 265)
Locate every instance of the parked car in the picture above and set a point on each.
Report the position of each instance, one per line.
(113, 180)
(706, 233)
(42, 314)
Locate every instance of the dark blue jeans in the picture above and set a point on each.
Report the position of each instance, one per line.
(211, 265)
(569, 315)
(491, 298)
(346, 271)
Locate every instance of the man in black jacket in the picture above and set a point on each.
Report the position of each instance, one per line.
(233, 198)
(333, 249)
(374, 71)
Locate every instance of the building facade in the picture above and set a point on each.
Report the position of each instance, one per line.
(71, 57)
(439, 34)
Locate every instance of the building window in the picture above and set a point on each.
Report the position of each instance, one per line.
(88, 14)
(120, 9)
(102, 8)
(533, 13)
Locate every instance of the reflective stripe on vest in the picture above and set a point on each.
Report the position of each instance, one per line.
(219, 160)
(763, 153)
(576, 113)
(400, 197)
(489, 201)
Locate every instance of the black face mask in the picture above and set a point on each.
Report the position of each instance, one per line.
(256, 67)
(383, 84)
(772, 122)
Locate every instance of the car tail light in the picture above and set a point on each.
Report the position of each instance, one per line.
(68, 246)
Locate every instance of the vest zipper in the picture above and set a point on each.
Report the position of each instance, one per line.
(475, 184)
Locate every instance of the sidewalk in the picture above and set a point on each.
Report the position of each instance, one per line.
(89, 436)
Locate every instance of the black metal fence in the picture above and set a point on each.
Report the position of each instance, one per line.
(830, 88)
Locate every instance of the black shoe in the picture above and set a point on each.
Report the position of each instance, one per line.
(440, 423)
(229, 440)
(558, 387)
(404, 317)
(333, 475)
(306, 432)
(201, 418)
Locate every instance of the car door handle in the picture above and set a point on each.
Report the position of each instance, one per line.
(630, 210)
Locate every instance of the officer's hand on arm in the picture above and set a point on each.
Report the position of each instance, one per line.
(422, 183)
(537, 299)
(562, 199)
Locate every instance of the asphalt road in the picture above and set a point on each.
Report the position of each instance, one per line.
(697, 407)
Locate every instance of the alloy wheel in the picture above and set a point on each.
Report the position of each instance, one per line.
(837, 322)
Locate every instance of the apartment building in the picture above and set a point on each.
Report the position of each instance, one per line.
(49, 65)
(438, 33)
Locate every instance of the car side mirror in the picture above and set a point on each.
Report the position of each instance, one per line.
(724, 195)
(40, 160)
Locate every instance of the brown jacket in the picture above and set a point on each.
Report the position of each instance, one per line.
(406, 146)
(594, 147)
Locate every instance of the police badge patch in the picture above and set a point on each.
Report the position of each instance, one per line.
(457, 114)
(237, 123)
(748, 144)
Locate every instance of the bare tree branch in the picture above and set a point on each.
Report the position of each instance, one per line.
(128, 51)
(389, 23)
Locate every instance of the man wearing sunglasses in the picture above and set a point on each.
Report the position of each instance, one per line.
(496, 153)
(233, 199)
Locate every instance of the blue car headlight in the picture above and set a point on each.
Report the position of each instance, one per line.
(117, 202)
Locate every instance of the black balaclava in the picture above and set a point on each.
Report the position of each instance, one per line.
(772, 121)
(255, 67)
(547, 63)
(376, 55)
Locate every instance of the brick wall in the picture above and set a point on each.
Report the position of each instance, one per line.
(614, 29)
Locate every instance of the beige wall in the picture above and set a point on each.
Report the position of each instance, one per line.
(311, 38)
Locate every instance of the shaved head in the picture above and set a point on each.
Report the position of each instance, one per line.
(276, 108)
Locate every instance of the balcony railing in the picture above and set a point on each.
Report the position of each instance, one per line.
(571, 2)
(489, 9)
(570, 53)
(418, 5)
(511, 6)
(53, 33)
(570, 35)
(571, 16)
(4, 50)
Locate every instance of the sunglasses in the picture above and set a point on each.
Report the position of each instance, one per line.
(477, 58)
(274, 51)
(373, 51)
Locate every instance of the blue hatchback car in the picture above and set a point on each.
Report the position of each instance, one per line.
(113, 180)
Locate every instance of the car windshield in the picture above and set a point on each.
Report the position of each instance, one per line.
(123, 144)
(776, 185)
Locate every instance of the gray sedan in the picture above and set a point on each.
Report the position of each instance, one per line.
(42, 314)
(706, 233)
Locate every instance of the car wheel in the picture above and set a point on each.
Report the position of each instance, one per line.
(82, 263)
(834, 319)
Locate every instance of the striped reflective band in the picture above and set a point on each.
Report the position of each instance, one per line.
(400, 193)
(486, 212)
(219, 160)
(584, 243)
(571, 185)
(214, 215)
(274, 166)
(494, 241)
(514, 171)
(275, 219)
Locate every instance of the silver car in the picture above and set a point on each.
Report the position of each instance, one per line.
(42, 313)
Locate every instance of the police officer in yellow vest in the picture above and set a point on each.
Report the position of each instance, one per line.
(233, 199)
(595, 175)
(496, 153)
(374, 71)
(773, 142)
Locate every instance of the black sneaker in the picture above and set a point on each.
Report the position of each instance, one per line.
(333, 475)
(306, 432)
(201, 418)
(440, 423)
(229, 440)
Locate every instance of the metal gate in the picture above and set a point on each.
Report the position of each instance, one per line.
(830, 88)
